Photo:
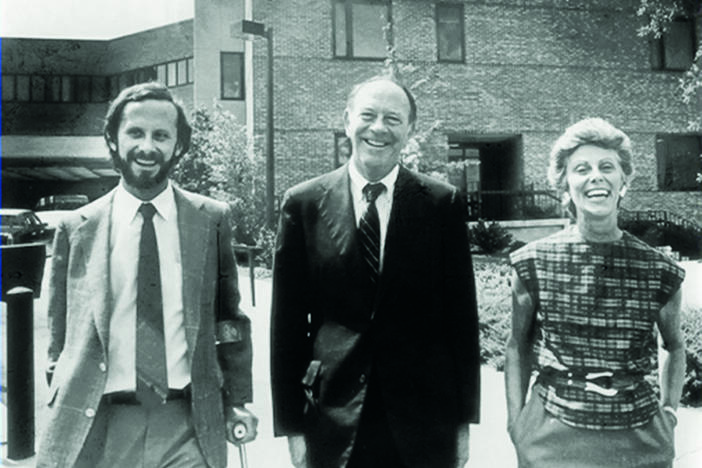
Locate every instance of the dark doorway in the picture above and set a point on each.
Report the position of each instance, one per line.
(492, 168)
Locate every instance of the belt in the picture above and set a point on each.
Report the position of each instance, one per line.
(606, 383)
(130, 398)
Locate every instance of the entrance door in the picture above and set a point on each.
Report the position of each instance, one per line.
(499, 158)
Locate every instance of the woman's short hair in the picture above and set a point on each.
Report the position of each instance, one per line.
(144, 92)
(591, 131)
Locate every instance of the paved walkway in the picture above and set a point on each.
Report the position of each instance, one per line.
(490, 445)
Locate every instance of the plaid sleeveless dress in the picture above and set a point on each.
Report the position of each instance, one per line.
(597, 305)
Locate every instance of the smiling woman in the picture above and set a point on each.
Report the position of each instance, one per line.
(587, 305)
(86, 19)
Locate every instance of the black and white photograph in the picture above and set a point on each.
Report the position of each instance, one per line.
(351, 233)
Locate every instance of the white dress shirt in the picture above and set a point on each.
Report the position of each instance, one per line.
(383, 203)
(125, 234)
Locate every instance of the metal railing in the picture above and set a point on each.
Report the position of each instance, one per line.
(662, 218)
(525, 203)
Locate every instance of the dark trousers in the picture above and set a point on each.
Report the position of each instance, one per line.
(375, 445)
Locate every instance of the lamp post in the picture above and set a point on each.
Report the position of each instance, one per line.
(259, 29)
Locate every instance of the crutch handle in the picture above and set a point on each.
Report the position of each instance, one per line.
(240, 432)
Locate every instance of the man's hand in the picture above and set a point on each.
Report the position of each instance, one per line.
(237, 416)
(463, 445)
(298, 451)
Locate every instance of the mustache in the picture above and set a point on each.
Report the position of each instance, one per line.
(154, 155)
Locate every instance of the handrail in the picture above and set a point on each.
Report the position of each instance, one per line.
(662, 217)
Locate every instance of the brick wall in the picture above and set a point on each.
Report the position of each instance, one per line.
(532, 68)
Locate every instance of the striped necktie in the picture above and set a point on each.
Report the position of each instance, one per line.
(369, 230)
(151, 368)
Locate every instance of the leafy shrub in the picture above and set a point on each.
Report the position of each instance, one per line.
(219, 164)
(494, 307)
(266, 241)
(489, 238)
(691, 322)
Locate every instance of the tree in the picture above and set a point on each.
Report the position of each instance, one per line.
(219, 164)
(427, 148)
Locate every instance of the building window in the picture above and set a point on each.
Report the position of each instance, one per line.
(114, 85)
(100, 89)
(342, 149)
(191, 71)
(53, 91)
(161, 74)
(83, 88)
(449, 32)
(8, 87)
(360, 28)
(232, 75)
(182, 72)
(171, 78)
(67, 88)
(22, 89)
(38, 88)
(679, 161)
(675, 49)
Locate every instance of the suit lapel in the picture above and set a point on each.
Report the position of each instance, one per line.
(93, 244)
(406, 201)
(193, 233)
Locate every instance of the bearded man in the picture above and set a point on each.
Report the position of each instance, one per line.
(149, 356)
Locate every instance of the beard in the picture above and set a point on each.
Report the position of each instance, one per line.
(143, 181)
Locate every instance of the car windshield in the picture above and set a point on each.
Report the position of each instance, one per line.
(31, 218)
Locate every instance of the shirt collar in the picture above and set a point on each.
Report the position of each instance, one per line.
(358, 181)
(127, 205)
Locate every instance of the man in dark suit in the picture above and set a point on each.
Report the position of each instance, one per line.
(150, 356)
(374, 331)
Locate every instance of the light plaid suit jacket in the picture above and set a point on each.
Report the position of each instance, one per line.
(79, 316)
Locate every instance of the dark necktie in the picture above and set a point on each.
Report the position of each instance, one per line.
(152, 373)
(369, 230)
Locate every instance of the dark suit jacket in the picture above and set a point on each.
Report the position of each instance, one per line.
(419, 331)
(79, 317)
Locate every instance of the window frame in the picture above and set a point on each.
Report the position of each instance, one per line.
(348, 33)
(242, 83)
(663, 161)
(12, 96)
(657, 47)
(459, 6)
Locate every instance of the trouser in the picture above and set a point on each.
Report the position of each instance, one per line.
(375, 445)
(543, 441)
(130, 435)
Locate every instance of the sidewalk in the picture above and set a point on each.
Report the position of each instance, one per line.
(490, 444)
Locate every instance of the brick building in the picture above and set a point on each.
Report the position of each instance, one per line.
(498, 79)
(55, 94)
(501, 78)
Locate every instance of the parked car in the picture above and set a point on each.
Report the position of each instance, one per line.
(20, 226)
(61, 202)
(52, 218)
